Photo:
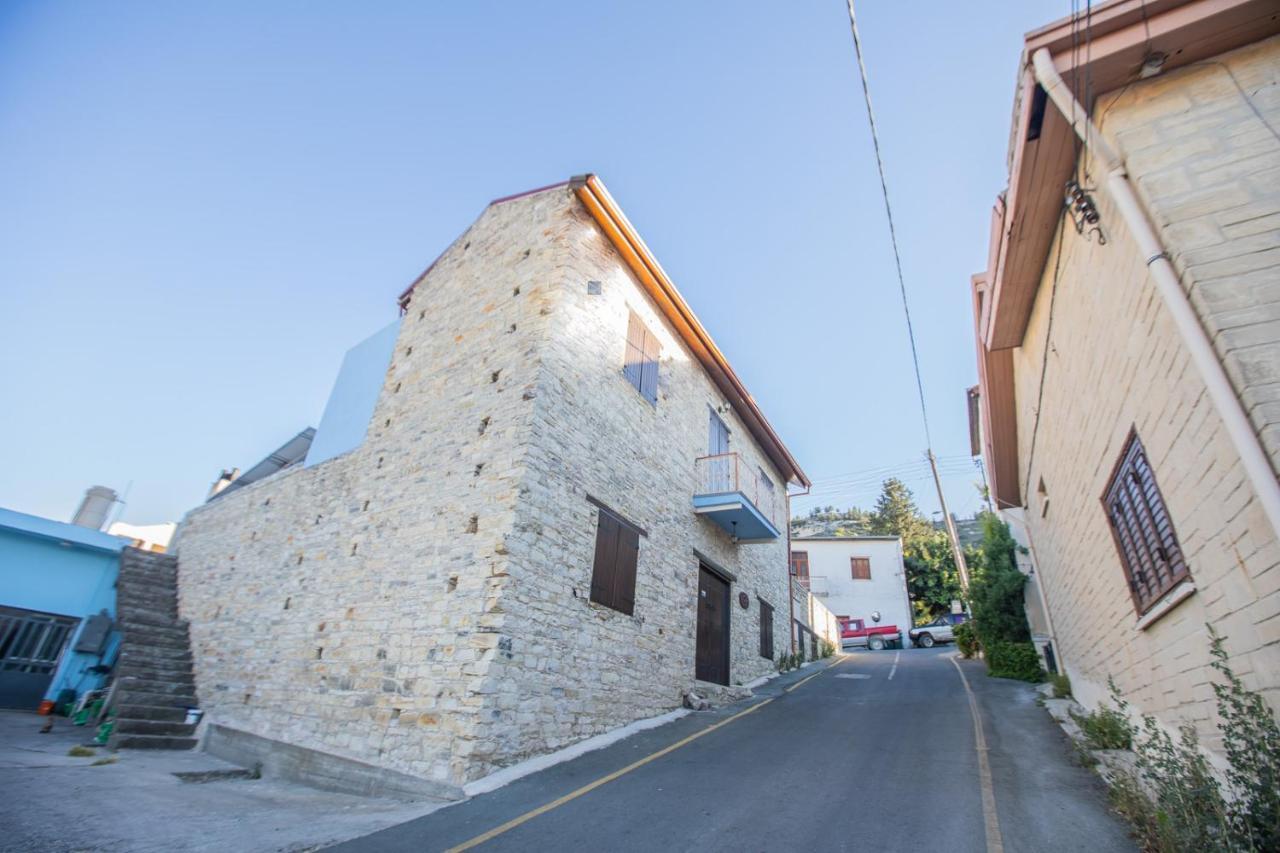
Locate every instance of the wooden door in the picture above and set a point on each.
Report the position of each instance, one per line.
(712, 661)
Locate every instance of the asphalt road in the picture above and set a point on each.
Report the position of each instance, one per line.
(876, 752)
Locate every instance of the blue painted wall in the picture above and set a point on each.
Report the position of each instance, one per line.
(54, 567)
(354, 395)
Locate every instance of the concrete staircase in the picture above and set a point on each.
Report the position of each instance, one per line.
(154, 681)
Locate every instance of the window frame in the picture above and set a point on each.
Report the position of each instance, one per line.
(795, 574)
(766, 628)
(640, 357)
(853, 571)
(615, 566)
(1142, 529)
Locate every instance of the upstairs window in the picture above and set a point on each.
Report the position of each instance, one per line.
(640, 365)
(1150, 555)
(613, 576)
(800, 567)
(860, 568)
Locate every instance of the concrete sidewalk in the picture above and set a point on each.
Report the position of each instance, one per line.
(50, 801)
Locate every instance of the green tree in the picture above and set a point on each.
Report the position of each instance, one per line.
(896, 514)
(932, 580)
(995, 590)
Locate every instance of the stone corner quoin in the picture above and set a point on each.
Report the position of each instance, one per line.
(422, 602)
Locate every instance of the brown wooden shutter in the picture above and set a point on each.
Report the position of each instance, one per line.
(860, 568)
(766, 629)
(624, 575)
(632, 366)
(604, 570)
(1150, 554)
(649, 367)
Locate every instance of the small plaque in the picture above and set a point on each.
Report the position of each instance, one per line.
(744, 600)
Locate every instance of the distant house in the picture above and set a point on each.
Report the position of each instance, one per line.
(539, 506)
(858, 578)
(1129, 348)
(57, 608)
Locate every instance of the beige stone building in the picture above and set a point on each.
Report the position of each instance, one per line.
(1129, 348)
(556, 511)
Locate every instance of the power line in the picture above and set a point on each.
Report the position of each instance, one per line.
(893, 233)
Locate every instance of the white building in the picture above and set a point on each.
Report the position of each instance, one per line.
(856, 577)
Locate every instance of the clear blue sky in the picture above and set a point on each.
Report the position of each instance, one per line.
(202, 206)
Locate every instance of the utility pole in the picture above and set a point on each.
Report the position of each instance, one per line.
(956, 550)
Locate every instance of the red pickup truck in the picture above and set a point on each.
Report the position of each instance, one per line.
(853, 632)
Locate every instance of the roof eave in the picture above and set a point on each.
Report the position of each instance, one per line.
(609, 216)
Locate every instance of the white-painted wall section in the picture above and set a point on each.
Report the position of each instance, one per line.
(831, 577)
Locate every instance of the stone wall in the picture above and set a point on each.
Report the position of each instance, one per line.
(577, 668)
(421, 602)
(353, 607)
(1208, 166)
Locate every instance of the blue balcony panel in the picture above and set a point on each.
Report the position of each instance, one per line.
(726, 508)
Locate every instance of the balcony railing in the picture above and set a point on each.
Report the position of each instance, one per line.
(818, 586)
(725, 483)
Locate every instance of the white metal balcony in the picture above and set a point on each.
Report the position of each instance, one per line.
(734, 495)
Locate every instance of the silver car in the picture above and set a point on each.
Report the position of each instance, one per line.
(940, 630)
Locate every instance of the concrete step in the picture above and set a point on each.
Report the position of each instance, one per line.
(157, 638)
(142, 684)
(139, 613)
(150, 599)
(149, 651)
(166, 675)
(128, 726)
(146, 620)
(139, 696)
(127, 741)
(138, 711)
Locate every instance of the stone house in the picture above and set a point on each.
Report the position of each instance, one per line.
(553, 510)
(1129, 348)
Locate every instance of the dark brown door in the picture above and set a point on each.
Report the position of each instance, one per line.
(712, 663)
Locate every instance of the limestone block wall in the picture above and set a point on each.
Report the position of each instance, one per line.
(355, 606)
(1208, 165)
(576, 668)
(1116, 361)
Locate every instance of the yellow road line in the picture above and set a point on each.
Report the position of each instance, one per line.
(991, 822)
(815, 675)
(603, 780)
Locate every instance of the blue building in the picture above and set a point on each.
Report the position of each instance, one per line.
(57, 607)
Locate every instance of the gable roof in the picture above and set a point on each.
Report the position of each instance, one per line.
(590, 190)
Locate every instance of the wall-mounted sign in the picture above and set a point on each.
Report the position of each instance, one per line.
(744, 600)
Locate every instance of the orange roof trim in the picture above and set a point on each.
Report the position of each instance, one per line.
(592, 193)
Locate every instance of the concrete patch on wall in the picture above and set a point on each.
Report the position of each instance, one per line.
(323, 770)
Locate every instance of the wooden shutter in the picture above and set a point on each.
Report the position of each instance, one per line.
(1150, 554)
(633, 362)
(603, 572)
(800, 567)
(624, 574)
(766, 629)
(860, 568)
(649, 372)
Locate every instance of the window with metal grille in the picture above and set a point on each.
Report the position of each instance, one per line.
(1148, 546)
(860, 568)
(32, 642)
(800, 567)
(766, 629)
(613, 574)
(640, 364)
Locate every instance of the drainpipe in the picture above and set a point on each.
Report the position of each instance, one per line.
(791, 598)
(1257, 464)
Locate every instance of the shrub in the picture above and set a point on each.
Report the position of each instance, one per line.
(1061, 685)
(1105, 728)
(966, 639)
(1175, 802)
(1014, 660)
(828, 648)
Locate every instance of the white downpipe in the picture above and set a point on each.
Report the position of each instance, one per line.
(1253, 456)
